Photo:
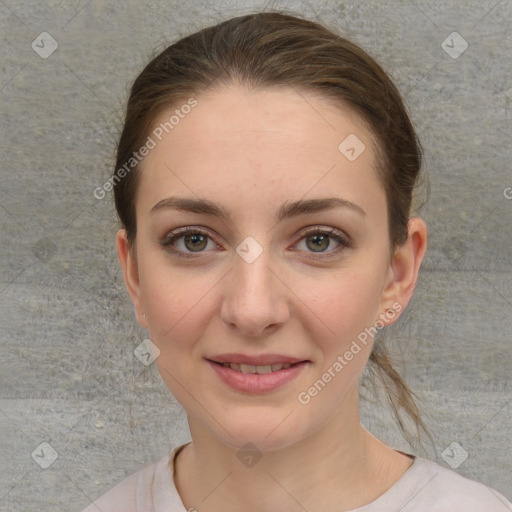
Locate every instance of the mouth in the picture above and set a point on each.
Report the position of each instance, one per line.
(271, 373)
(259, 369)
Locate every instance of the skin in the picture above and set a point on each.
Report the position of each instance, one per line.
(273, 146)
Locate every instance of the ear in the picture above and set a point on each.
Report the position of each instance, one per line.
(403, 272)
(128, 260)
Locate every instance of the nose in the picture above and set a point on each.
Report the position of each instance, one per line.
(256, 299)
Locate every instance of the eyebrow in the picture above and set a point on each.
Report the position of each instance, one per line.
(286, 211)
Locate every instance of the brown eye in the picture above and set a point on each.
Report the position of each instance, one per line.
(320, 240)
(193, 240)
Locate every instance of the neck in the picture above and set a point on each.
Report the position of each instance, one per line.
(339, 467)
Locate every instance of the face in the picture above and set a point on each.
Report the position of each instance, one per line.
(264, 280)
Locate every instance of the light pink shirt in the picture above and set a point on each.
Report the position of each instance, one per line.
(424, 487)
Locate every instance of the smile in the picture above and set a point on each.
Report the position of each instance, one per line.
(261, 370)
(249, 378)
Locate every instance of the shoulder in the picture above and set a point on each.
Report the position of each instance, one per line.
(442, 490)
(135, 492)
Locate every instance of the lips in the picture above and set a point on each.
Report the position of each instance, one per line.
(259, 369)
(249, 378)
(261, 360)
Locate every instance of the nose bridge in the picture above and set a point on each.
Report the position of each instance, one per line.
(255, 298)
(252, 268)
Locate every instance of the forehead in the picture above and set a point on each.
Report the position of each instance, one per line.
(258, 146)
(231, 114)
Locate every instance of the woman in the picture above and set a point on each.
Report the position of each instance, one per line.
(264, 183)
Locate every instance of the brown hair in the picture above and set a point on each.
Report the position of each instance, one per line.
(270, 49)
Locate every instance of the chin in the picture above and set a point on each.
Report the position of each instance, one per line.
(266, 433)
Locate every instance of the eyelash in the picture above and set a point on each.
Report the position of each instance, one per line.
(167, 242)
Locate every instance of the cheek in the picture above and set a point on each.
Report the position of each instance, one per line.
(176, 303)
(334, 307)
(178, 309)
(343, 306)
(345, 314)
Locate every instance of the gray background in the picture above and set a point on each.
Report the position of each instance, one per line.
(69, 376)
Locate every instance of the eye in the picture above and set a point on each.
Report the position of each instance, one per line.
(195, 240)
(318, 240)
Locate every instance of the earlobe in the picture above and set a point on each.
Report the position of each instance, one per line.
(404, 268)
(129, 266)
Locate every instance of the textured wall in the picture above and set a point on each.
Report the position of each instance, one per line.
(69, 376)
